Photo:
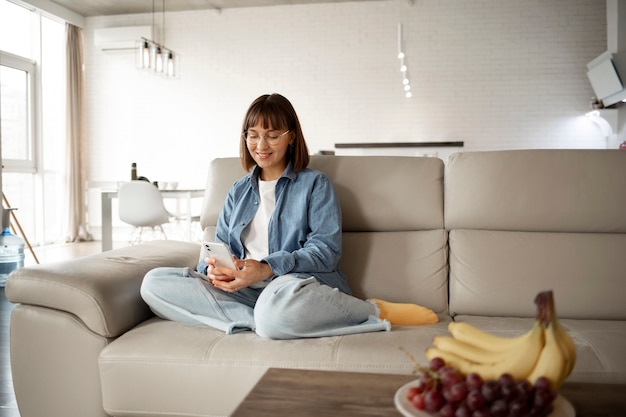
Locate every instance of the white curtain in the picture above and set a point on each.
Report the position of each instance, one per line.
(77, 213)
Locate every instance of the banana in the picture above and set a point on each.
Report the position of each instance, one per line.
(552, 362)
(559, 354)
(570, 348)
(467, 333)
(519, 361)
(469, 351)
(452, 359)
(546, 350)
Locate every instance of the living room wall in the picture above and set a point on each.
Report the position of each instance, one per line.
(495, 74)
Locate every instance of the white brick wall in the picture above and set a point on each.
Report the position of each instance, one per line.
(496, 74)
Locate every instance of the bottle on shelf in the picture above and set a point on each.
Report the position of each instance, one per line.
(133, 171)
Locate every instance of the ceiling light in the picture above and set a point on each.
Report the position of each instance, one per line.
(155, 57)
(403, 67)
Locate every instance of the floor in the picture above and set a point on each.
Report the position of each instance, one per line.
(8, 406)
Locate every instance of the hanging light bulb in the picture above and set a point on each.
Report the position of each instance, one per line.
(156, 57)
(170, 70)
(143, 53)
(158, 67)
(403, 66)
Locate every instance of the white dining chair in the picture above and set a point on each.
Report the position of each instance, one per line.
(140, 204)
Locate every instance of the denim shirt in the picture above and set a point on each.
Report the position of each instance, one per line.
(304, 234)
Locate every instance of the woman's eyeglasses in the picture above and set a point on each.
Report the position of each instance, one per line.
(271, 138)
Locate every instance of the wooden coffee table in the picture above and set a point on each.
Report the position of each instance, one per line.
(303, 393)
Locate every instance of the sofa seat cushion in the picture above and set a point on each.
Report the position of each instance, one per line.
(600, 344)
(167, 368)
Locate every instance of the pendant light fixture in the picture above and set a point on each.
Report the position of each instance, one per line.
(404, 69)
(155, 57)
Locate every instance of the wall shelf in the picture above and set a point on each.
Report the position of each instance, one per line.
(399, 145)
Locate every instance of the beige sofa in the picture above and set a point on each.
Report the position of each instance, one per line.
(474, 239)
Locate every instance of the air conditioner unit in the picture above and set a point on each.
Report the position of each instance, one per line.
(119, 38)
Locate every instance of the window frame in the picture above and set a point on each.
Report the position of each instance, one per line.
(30, 163)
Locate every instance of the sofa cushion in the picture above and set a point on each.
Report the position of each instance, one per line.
(101, 290)
(585, 271)
(167, 368)
(377, 193)
(409, 267)
(537, 190)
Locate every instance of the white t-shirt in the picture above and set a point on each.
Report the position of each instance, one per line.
(255, 237)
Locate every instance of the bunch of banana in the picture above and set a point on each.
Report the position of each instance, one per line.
(558, 356)
(545, 350)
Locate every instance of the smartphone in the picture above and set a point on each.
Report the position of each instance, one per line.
(221, 252)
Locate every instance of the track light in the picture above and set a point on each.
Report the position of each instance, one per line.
(403, 66)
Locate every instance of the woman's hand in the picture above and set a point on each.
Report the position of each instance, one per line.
(250, 271)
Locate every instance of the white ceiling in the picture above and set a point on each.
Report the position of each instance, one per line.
(112, 7)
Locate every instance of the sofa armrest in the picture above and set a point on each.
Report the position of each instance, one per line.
(101, 290)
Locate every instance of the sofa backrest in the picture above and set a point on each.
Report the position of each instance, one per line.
(394, 242)
(524, 221)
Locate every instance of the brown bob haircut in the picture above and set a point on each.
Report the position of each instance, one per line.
(276, 112)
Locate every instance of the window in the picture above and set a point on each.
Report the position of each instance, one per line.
(32, 117)
(16, 108)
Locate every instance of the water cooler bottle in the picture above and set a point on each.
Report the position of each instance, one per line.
(11, 249)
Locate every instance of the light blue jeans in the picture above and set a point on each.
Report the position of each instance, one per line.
(291, 306)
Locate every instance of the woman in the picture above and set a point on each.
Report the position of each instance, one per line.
(282, 221)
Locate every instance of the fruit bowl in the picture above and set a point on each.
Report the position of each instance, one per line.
(562, 407)
(474, 373)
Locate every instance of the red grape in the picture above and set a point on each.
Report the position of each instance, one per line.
(483, 412)
(447, 410)
(436, 363)
(412, 391)
(463, 411)
(499, 408)
(542, 398)
(474, 381)
(475, 400)
(433, 400)
(506, 380)
(508, 392)
(451, 377)
(542, 383)
(491, 390)
(518, 408)
(418, 401)
(525, 391)
(457, 392)
(444, 390)
(425, 382)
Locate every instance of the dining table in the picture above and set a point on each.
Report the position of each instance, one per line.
(184, 195)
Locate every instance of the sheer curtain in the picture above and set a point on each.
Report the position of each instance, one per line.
(77, 219)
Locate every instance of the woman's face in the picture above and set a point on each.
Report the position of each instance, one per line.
(268, 148)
